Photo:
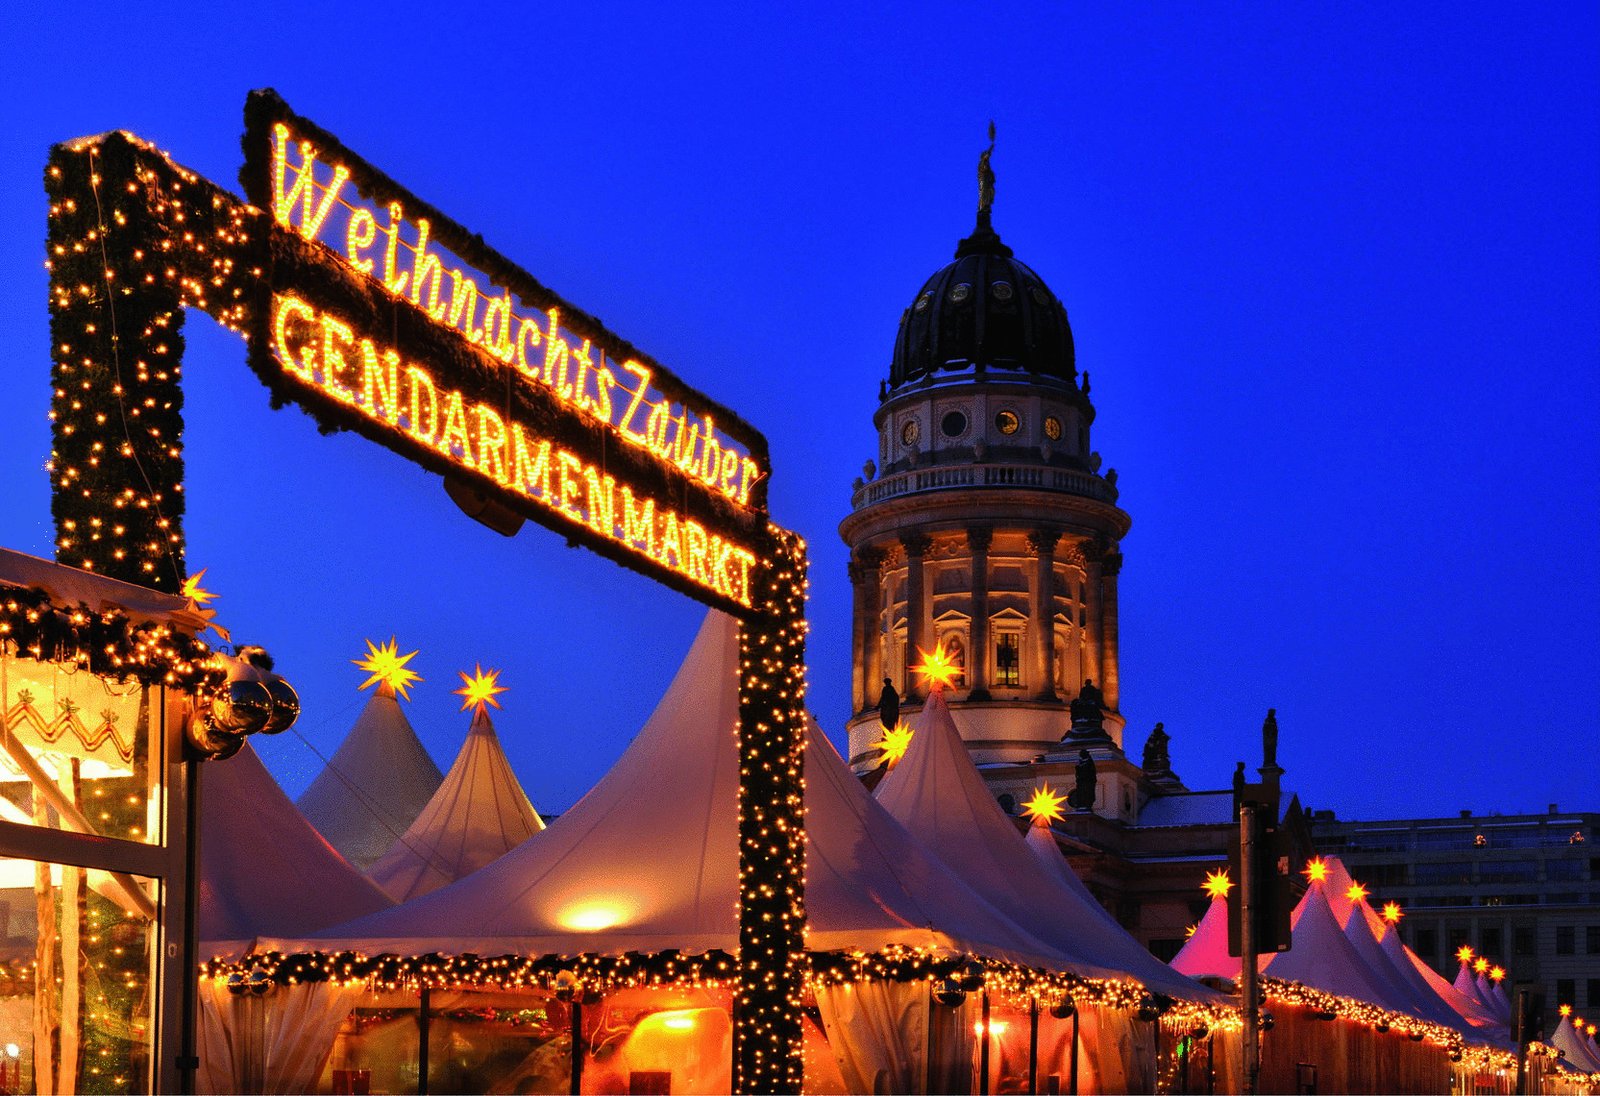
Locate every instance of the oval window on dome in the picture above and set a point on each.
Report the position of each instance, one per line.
(1052, 428)
(954, 424)
(1039, 296)
(923, 301)
(908, 432)
(1007, 422)
(1001, 290)
(960, 292)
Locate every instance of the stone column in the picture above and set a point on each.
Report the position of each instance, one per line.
(915, 545)
(868, 631)
(1094, 554)
(1108, 629)
(978, 673)
(1043, 624)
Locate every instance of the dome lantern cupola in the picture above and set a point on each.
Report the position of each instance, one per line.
(985, 311)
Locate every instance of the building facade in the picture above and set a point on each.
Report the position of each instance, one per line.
(1522, 890)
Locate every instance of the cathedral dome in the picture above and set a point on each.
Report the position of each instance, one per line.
(985, 311)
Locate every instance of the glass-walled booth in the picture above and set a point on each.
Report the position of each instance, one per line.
(93, 703)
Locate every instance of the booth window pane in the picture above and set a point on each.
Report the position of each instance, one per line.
(77, 995)
(78, 751)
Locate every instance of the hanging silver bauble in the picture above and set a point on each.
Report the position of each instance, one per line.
(1063, 1008)
(285, 705)
(213, 743)
(243, 707)
(949, 993)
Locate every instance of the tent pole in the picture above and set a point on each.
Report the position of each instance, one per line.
(1072, 1071)
(1033, 1045)
(577, 1043)
(422, 1044)
(983, 1049)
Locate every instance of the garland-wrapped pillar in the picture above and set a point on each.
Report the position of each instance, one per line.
(772, 918)
(133, 240)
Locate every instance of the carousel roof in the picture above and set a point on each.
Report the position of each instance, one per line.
(648, 859)
(375, 786)
(478, 814)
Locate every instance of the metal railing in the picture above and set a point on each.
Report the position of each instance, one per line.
(955, 476)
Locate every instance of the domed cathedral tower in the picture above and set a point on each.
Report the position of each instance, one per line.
(986, 525)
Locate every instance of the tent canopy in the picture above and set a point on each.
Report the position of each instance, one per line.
(936, 792)
(264, 871)
(479, 814)
(648, 860)
(376, 784)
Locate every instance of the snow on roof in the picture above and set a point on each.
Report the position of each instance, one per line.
(1188, 809)
(69, 586)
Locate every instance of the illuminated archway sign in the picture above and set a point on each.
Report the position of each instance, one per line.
(376, 313)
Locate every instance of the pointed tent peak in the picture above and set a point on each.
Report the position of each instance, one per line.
(479, 689)
(1217, 884)
(388, 670)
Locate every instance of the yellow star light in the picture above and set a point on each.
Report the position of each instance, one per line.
(1392, 912)
(1316, 871)
(1590, 1031)
(1218, 884)
(895, 742)
(937, 669)
(1190, 931)
(1045, 806)
(1480, 964)
(1465, 953)
(1497, 973)
(1566, 1010)
(387, 665)
(193, 591)
(479, 689)
(1356, 893)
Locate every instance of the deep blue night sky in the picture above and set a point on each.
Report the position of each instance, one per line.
(1333, 273)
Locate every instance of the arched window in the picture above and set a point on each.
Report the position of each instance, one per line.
(956, 648)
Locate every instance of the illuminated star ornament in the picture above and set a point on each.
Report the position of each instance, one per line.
(1356, 893)
(1189, 932)
(198, 598)
(1045, 806)
(1218, 884)
(1316, 871)
(895, 742)
(195, 593)
(1566, 1010)
(937, 669)
(1480, 965)
(1497, 973)
(1392, 912)
(388, 667)
(479, 689)
(1465, 953)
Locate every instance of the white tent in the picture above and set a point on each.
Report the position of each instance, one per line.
(648, 860)
(1576, 1048)
(1322, 955)
(1399, 992)
(935, 791)
(375, 785)
(478, 814)
(264, 871)
(1205, 953)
